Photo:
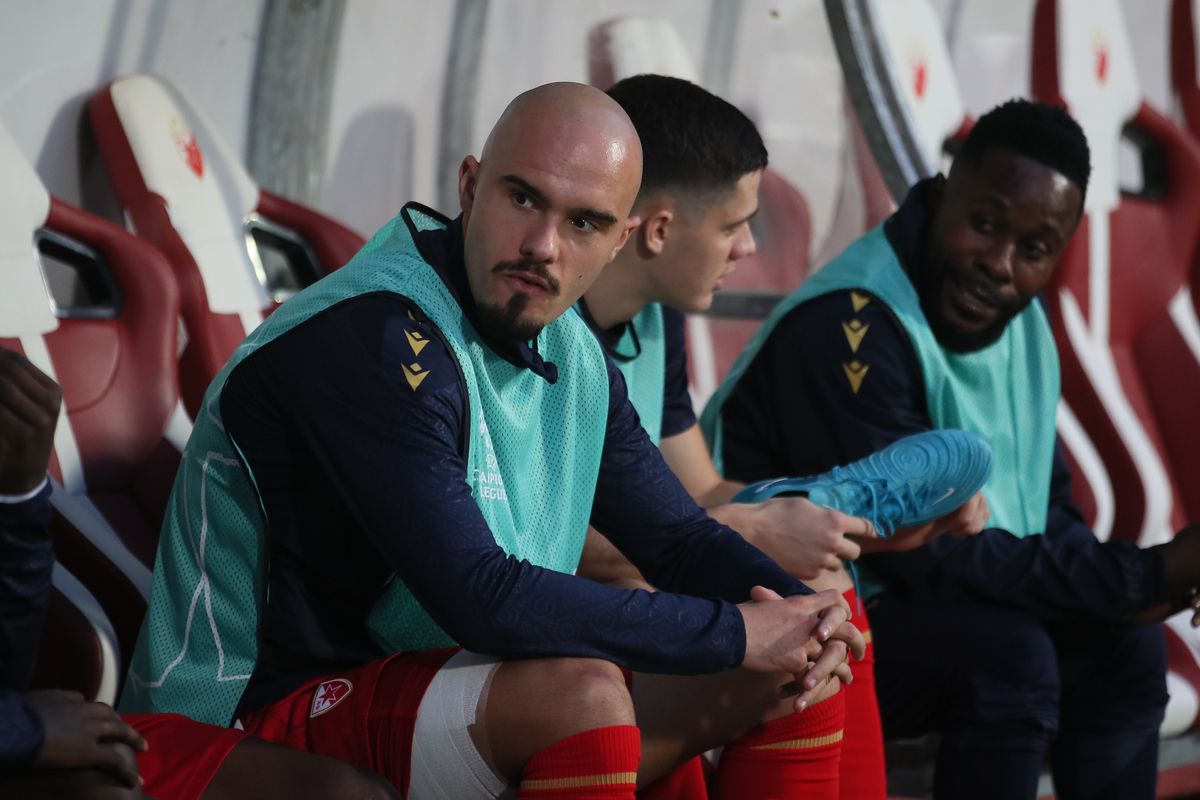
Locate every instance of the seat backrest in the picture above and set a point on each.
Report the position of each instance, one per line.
(635, 45)
(1113, 296)
(96, 308)
(1185, 63)
(922, 74)
(1120, 304)
(236, 250)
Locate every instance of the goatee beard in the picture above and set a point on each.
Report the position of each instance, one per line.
(504, 322)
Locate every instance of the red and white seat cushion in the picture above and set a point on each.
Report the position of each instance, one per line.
(1120, 306)
(112, 467)
(184, 191)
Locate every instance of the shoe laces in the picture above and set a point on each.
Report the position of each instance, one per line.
(886, 503)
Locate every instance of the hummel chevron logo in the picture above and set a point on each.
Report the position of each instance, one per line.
(414, 374)
(416, 341)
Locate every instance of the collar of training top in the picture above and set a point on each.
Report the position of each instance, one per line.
(610, 338)
(442, 249)
(906, 229)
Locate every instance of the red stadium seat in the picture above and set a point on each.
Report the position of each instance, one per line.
(236, 250)
(1121, 309)
(96, 308)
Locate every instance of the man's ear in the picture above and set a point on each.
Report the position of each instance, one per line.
(654, 230)
(468, 181)
(631, 225)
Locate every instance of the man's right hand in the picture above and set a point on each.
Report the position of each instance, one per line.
(29, 404)
(83, 735)
(803, 538)
(807, 636)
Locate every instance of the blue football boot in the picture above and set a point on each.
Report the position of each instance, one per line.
(910, 482)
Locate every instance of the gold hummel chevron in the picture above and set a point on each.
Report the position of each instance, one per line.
(855, 331)
(414, 375)
(855, 372)
(416, 341)
(859, 300)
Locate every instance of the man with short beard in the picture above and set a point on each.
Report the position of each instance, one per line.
(402, 462)
(1024, 634)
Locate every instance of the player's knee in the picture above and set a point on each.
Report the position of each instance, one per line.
(1013, 676)
(596, 688)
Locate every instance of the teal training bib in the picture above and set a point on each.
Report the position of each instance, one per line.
(646, 375)
(533, 460)
(1007, 393)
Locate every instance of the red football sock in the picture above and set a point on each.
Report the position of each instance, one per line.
(794, 756)
(599, 764)
(685, 782)
(863, 774)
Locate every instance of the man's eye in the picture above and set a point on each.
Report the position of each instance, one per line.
(982, 224)
(522, 199)
(1036, 251)
(585, 225)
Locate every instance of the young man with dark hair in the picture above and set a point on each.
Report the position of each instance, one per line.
(405, 457)
(52, 743)
(702, 163)
(932, 321)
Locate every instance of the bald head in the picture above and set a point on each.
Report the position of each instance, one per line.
(579, 123)
(547, 204)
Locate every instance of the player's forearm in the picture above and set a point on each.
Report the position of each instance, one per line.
(719, 494)
(22, 733)
(602, 562)
(510, 608)
(26, 570)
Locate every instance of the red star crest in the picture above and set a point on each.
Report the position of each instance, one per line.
(1102, 57)
(189, 149)
(329, 694)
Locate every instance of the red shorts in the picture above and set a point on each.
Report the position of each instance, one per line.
(184, 755)
(363, 716)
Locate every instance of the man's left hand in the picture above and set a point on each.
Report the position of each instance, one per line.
(968, 520)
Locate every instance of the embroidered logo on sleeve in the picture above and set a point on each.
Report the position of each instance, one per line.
(415, 374)
(855, 372)
(859, 300)
(416, 341)
(329, 694)
(855, 330)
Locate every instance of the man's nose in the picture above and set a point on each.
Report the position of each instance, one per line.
(745, 245)
(540, 243)
(997, 260)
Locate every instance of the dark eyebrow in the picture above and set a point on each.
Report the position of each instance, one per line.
(537, 194)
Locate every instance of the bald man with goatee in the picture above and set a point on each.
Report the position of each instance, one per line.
(370, 546)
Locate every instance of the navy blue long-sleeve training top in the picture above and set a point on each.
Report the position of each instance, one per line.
(796, 411)
(26, 573)
(362, 478)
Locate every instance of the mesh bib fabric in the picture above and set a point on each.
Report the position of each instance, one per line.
(533, 460)
(1007, 393)
(646, 375)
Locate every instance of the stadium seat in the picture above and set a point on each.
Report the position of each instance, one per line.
(236, 250)
(1120, 303)
(95, 308)
(633, 45)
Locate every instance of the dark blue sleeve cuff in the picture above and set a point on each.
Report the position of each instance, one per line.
(21, 731)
